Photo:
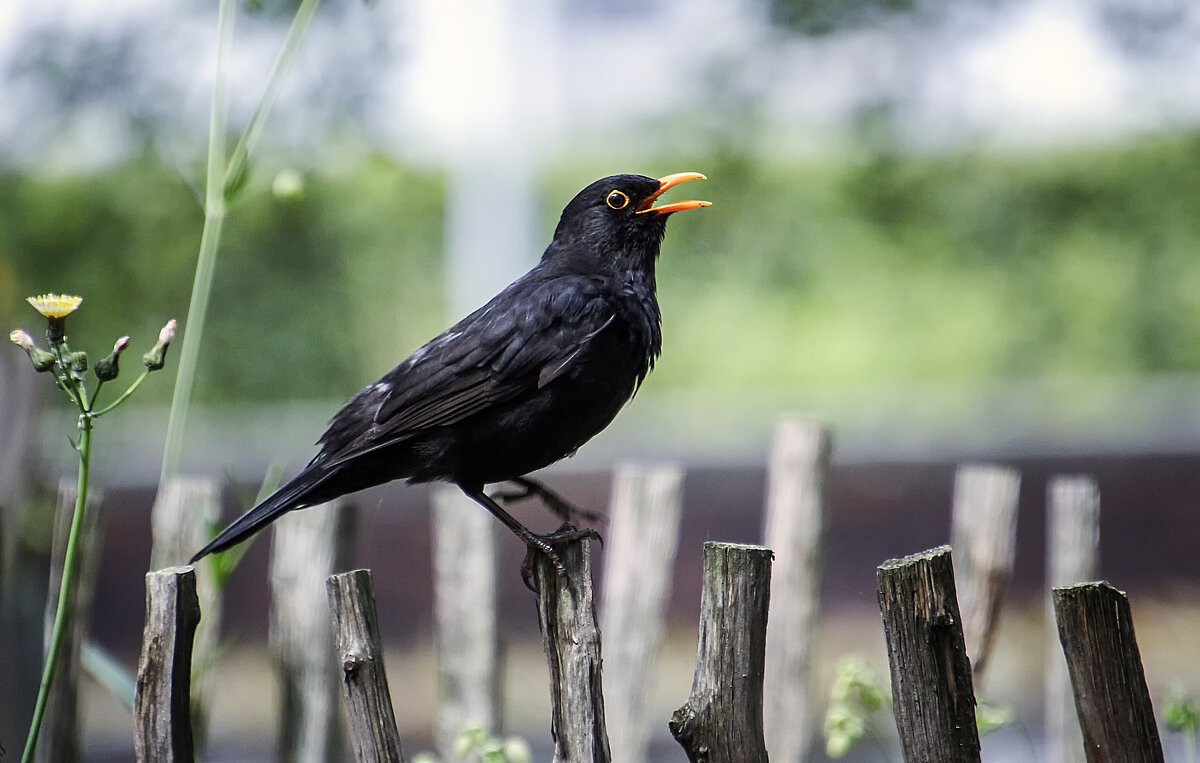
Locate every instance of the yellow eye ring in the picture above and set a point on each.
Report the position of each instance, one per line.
(617, 200)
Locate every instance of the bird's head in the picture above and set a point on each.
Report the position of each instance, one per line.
(616, 217)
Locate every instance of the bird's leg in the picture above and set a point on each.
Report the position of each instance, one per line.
(531, 488)
(533, 541)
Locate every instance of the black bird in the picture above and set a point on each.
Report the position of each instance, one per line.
(516, 385)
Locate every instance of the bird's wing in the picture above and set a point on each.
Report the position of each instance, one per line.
(519, 342)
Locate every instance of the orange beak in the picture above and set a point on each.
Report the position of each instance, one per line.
(667, 183)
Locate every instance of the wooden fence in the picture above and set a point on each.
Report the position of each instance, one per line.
(753, 685)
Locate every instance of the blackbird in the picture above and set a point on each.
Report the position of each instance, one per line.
(518, 384)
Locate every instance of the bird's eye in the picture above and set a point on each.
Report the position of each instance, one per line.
(617, 200)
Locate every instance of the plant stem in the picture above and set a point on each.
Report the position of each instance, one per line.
(124, 396)
(214, 219)
(220, 180)
(291, 45)
(65, 591)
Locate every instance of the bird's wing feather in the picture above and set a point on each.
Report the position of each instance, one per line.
(491, 355)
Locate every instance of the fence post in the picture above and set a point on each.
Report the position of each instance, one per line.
(567, 616)
(22, 578)
(468, 642)
(60, 734)
(306, 547)
(722, 719)
(162, 700)
(798, 474)
(932, 694)
(643, 535)
(185, 510)
(983, 534)
(1115, 713)
(373, 733)
(1072, 550)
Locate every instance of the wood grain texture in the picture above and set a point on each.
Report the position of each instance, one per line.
(1095, 627)
(567, 616)
(721, 722)
(162, 700)
(373, 733)
(932, 694)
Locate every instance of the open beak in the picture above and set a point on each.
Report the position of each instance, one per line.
(667, 183)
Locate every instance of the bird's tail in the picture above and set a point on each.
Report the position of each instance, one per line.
(293, 495)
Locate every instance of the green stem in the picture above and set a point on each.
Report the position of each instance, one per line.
(291, 45)
(220, 179)
(214, 220)
(65, 591)
(124, 395)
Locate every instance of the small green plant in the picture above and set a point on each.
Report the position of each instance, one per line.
(69, 369)
(1182, 716)
(989, 717)
(858, 693)
(474, 743)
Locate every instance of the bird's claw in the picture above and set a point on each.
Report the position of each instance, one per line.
(545, 544)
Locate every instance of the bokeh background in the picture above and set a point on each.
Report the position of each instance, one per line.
(952, 230)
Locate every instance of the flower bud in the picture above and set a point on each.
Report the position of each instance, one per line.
(42, 360)
(157, 356)
(77, 362)
(108, 368)
(21, 338)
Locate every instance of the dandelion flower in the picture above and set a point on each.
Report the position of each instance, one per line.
(55, 305)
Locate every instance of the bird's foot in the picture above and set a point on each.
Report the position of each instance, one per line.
(526, 488)
(545, 544)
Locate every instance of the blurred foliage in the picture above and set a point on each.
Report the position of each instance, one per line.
(905, 268)
(819, 17)
(313, 290)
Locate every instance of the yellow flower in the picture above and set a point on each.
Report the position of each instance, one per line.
(55, 305)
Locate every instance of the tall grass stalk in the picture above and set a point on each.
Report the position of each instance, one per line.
(214, 221)
(222, 180)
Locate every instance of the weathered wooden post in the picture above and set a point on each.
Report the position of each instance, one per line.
(721, 722)
(798, 473)
(567, 616)
(22, 579)
(60, 736)
(162, 701)
(932, 694)
(184, 513)
(1072, 556)
(983, 534)
(1115, 713)
(306, 548)
(359, 650)
(640, 547)
(468, 641)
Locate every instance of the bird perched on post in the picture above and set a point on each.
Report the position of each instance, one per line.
(518, 384)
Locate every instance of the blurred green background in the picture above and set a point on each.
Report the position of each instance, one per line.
(961, 268)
